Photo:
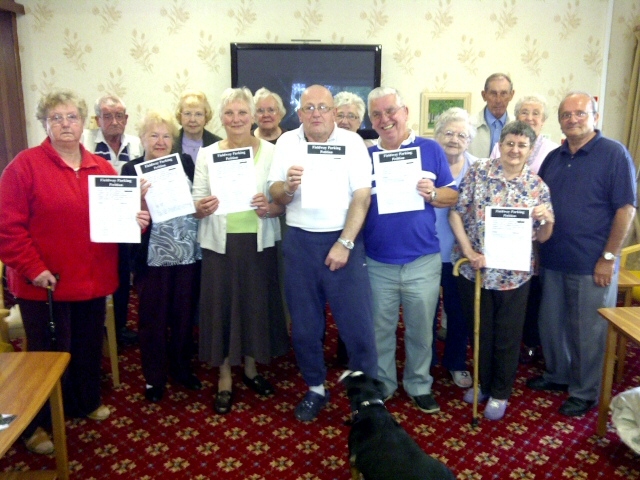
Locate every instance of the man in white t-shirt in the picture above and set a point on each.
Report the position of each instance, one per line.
(323, 250)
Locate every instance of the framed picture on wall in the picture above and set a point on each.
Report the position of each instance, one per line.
(434, 103)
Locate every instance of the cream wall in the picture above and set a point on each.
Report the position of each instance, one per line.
(148, 51)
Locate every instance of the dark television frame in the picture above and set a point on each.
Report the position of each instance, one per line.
(237, 49)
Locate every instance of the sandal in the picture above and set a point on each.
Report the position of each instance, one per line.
(258, 384)
(39, 442)
(223, 402)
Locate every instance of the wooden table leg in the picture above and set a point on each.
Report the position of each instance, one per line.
(607, 381)
(59, 434)
(622, 341)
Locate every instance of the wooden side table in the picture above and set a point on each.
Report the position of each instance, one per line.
(623, 322)
(27, 380)
(626, 282)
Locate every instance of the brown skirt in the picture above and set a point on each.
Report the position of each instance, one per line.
(241, 310)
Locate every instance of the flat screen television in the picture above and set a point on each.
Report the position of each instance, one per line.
(288, 69)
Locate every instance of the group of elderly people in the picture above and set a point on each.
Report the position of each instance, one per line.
(220, 270)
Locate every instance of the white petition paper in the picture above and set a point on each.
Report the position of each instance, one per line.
(232, 178)
(113, 205)
(323, 184)
(397, 173)
(169, 195)
(507, 238)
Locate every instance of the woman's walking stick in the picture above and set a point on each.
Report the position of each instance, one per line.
(476, 336)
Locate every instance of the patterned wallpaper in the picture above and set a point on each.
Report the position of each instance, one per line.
(148, 51)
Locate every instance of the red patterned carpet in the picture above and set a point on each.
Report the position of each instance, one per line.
(181, 437)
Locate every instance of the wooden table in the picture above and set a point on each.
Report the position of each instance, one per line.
(623, 321)
(27, 380)
(626, 282)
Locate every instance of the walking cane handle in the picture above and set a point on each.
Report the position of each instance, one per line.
(456, 267)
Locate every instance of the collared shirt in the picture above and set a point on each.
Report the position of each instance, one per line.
(130, 147)
(291, 150)
(495, 126)
(588, 186)
(485, 185)
(402, 237)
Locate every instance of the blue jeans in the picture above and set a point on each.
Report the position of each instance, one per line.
(416, 287)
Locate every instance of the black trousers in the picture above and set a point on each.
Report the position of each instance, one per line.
(502, 314)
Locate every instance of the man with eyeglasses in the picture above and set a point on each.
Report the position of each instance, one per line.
(592, 179)
(323, 250)
(403, 252)
(498, 92)
(111, 143)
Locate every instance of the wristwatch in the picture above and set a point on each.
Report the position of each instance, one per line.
(608, 256)
(346, 243)
(434, 194)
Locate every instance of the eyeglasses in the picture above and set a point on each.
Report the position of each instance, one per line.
(322, 109)
(389, 112)
(59, 119)
(349, 116)
(461, 135)
(580, 115)
(198, 115)
(521, 146)
(108, 117)
(270, 111)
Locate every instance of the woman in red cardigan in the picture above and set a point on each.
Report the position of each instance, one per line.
(45, 242)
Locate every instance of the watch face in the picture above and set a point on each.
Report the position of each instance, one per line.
(608, 256)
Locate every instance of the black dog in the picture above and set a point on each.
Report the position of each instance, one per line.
(379, 448)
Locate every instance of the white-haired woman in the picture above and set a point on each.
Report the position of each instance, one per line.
(241, 312)
(166, 266)
(350, 110)
(532, 110)
(454, 132)
(269, 112)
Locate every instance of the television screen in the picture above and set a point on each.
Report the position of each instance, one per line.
(288, 69)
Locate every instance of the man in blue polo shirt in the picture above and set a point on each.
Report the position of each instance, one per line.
(403, 251)
(592, 180)
(498, 92)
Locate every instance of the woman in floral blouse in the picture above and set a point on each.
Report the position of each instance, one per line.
(503, 182)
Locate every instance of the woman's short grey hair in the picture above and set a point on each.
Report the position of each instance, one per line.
(343, 99)
(157, 117)
(263, 94)
(193, 99)
(517, 127)
(454, 114)
(231, 95)
(107, 99)
(59, 97)
(539, 99)
(380, 92)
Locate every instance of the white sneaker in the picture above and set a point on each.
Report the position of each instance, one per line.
(100, 413)
(461, 378)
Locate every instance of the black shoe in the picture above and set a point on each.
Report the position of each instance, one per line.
(258, 384)
(223, 402)
(426, 403)
(190, 382)
(539, 383)
(126, 337)
(154, 394)
(576, 407)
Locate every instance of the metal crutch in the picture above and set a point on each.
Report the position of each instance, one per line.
(476, 336)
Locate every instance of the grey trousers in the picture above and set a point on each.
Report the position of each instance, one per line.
(572, 333)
